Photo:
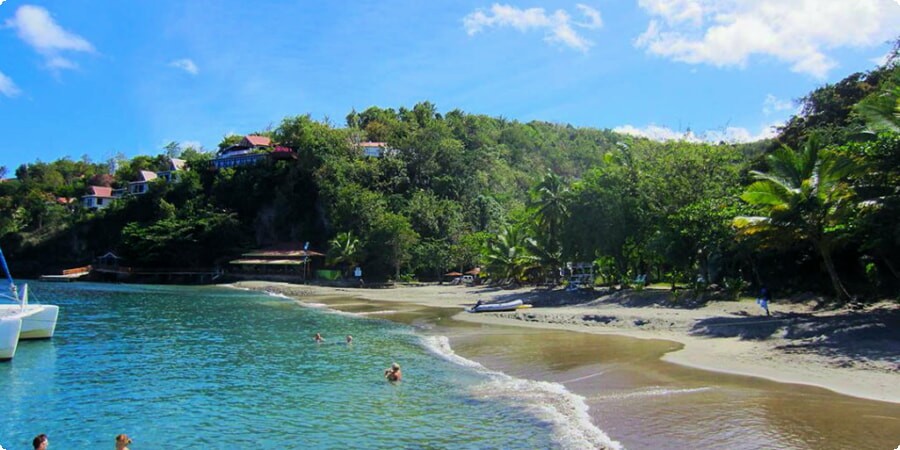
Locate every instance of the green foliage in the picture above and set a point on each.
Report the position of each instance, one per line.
(457, 190)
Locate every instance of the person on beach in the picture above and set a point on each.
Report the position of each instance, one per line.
(393, 373)
(122, 442)
(349, 339)
(763, 300)
(40, 442)
(318, 337)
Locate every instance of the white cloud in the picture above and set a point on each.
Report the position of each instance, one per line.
(773, 104)
(557, 26)
(36, 27)
(186, 65)
(7, 86)
(594, 20)
(730, 135)
(728, 33)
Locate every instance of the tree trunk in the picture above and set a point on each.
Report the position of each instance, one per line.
(836, 284)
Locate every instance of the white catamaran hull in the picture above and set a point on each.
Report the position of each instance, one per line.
(38, 321)
(9, 336)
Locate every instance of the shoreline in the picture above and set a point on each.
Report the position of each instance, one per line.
(733, 337)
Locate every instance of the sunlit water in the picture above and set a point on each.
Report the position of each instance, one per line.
(177, 367)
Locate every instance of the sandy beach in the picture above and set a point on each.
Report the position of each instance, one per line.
(855, 353)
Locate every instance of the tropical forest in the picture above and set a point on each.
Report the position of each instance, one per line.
(814, 209)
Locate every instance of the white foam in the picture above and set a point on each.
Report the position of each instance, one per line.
(376, 313)
(655, 392)
(566, 412)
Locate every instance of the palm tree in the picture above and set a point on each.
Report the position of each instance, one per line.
(551, 211)
(806, 194)
(344, 249)
(507, 256)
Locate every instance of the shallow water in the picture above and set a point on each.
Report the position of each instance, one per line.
(175, 367)
(646, 403)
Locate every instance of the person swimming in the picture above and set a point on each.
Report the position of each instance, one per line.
(393, 373)
(318, 337)
(349, 339)
(122, 442)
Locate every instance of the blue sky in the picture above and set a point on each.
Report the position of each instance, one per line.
(101, 77)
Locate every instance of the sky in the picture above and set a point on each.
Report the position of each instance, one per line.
(101, 77)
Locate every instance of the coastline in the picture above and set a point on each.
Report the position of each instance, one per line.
(723, 337)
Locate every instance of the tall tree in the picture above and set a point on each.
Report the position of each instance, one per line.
(805, 193)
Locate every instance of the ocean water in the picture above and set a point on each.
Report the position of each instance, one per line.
(179, 367)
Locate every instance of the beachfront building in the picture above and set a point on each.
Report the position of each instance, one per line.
(251, 150)
(284, 261)
(97, 197)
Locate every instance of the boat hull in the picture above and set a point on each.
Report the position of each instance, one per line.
(494, 307)
(9, 336)
(38, 321)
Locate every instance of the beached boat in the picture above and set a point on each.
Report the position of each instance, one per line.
(493, 307)
(20, 320)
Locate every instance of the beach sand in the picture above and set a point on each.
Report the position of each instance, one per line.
(586, 343)
(855, 353)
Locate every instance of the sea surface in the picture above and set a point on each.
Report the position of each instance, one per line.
(212, 367)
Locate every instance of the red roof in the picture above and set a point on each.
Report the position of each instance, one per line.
(258, 141)
(100, 191)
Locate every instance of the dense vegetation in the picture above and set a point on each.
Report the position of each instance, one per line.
(816, 209)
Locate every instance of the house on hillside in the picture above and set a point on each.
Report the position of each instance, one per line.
(250, 150)
(175, 165)
(375, 149)
(142, 185)
(98, 197)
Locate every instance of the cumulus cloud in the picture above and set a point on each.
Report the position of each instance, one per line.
(773, 104)
(728, 33)
(186, 65)
(7, 87)
(732, 135)
(36, 27)
(559, 27)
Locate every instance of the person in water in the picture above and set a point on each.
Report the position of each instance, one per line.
(122, 442)
(349, 339)
(319, 337)
(393, 373)
(40, 442)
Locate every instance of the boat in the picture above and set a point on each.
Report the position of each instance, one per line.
(21, 320)
(511, 305)
(9, 336)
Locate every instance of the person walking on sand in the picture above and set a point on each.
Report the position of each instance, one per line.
(763, 300)
(122, 442)
(393, 373)
(40, 442)
(318, 337)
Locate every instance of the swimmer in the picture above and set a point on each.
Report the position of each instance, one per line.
(40, 442)
(349, 339)
(393, 373)
(122, 442)
(319, 337)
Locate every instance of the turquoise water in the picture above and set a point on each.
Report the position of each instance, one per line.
(177, 367)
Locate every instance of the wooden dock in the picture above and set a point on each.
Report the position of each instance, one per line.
(68, 275)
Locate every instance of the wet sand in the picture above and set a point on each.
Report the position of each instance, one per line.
(634, 395)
